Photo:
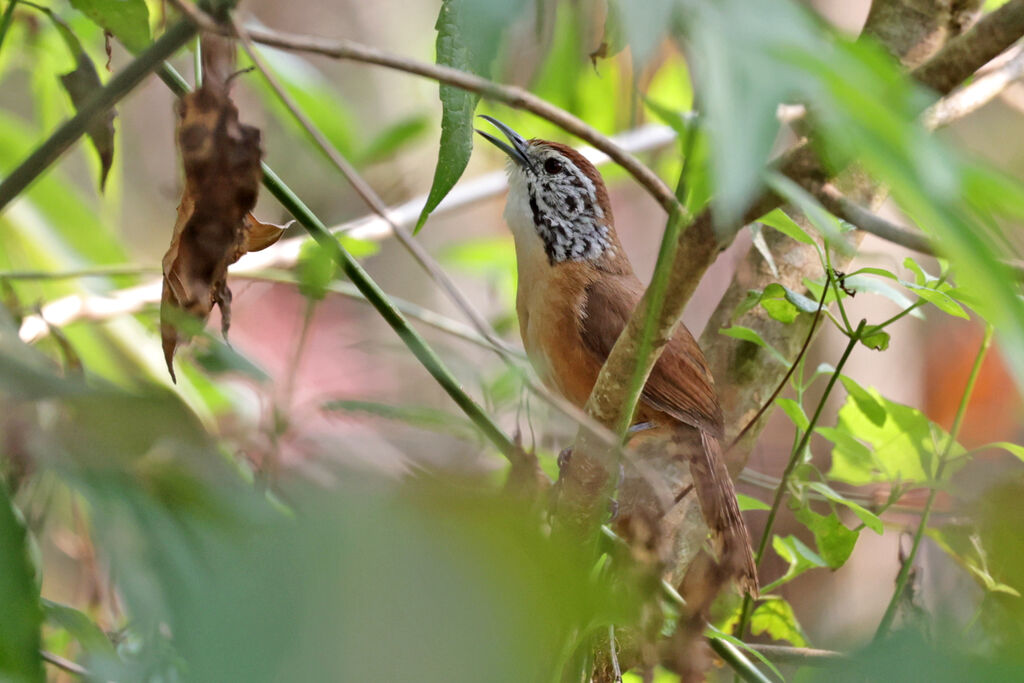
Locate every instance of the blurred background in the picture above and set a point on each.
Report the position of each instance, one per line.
(309, 384)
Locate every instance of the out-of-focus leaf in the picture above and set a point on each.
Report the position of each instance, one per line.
(869, 518)
(423, 417)
(747, 334)
(83, 629)
(468, 37)
(797, 555)
(393, 138)
(750, 503)
(795, 411)
(862, 283)
(775, 617)
(218, 358)
(643, 26)
(315, 270)
(315, 95)
(1012, 448)
(910, 655)
(22, 615)
(902, 447)
(80, 84)
(128, 20)
(835, 542)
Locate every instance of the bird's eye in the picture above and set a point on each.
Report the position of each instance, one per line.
(553, 166)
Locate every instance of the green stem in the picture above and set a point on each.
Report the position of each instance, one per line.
(794, 460)
(387, 310)
(655, 296)
(904, 575)
(6, 19)
(101, 101)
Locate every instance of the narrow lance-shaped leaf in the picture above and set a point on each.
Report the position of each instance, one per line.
(468, 36)
(457, 107)
(80, 84)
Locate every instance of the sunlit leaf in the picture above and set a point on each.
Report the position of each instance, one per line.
(775, 617)
(903, 446)
(797, 556)
(750, 503)
(834, 540)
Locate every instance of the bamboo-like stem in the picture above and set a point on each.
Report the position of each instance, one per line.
(922, 525)
(43, 156)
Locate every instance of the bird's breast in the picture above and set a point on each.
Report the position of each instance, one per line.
(549, 303)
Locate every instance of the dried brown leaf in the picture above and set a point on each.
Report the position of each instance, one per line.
(221, 158)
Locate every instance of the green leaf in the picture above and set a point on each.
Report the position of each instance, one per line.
(750, 503)
(393, 138)
(749, 335)
(940, 300)
(468, 37)
(423, 417)
(315, 270)
(869, 518)
(798, 557)
(19, 595)
(1012, 448)
(835, 542)
(780, 221)
(861, 283)
(878, 340)
(904, 446)
(795, 411)
(128, 20)
(217, 358)
(775, 617)
(83, 629)
(866, 402)
(921, 277)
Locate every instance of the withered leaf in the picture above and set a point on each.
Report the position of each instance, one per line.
(80, 85)
(214, 228)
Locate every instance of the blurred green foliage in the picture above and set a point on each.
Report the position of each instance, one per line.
(225, 575)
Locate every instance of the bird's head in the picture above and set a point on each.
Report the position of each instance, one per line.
(558, 196)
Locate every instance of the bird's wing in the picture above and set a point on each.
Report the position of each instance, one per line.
(680, 384)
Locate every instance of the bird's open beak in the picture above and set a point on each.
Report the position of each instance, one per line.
(517, 150)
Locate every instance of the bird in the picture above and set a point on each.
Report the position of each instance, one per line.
(576, 291)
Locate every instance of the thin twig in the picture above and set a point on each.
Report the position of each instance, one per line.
(511, 95)
(922, 526)
(978, 92)
(789, 373)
